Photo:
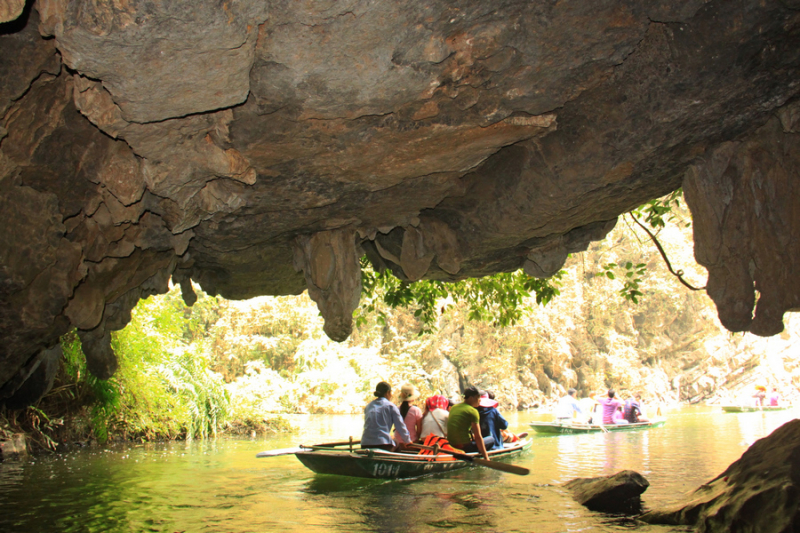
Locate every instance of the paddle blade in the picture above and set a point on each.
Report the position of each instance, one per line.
(282, 451)
(503, 467)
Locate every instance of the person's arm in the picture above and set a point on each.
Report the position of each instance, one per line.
(476, 434)
(576, 405)
(502, 423)
(418, 424)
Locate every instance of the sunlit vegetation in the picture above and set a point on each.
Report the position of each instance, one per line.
(500, 299)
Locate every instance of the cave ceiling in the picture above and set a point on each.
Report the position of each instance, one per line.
(263, 147)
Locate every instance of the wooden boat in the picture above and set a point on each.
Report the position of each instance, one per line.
(754, 408)
(380, 464)
(555, 428)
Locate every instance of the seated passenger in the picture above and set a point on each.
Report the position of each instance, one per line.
(463, 426)
(434, 421)
(567, 407)
(589, 406)
(633, 410)
(774, 398)
(609, 405)
(619, 416)
(412, 415)
(492, 422)
(379, 416)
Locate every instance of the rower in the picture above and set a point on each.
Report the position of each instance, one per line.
(464, 418)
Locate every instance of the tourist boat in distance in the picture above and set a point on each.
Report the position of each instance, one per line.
(555, 428)
(754, 408)
(344, 459)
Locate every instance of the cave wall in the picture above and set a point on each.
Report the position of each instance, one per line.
(262, 147)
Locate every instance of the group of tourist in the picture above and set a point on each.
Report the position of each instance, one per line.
(607, 410)
(474, 425)
(761, 397)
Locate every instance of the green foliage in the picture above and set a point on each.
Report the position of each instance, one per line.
(499, 299)
(105, 395)
(167, 386)
(631, 277)
(658, 212)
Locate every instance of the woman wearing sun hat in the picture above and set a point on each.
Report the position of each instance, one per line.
(760, 395)
(412, 415)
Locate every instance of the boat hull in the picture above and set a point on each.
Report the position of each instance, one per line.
(753, 409)
(381, 465)
(547, 428)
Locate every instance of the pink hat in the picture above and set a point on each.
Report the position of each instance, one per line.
(487, 402)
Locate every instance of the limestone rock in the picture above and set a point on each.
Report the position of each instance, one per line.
(230, 143)
(330, 264)
(32, 381)
(743, 199)
(189, 56)
(619, 493)
(14, 448)
(759, 492)
(11, 9)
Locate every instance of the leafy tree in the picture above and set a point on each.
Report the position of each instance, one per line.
(499, 299)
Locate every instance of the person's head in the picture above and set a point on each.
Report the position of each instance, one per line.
(408, 393)
(638, 396)
(383, 390)
(437, 402)
(472, 396)
(571, 391)
(611, 393)
(486, 401)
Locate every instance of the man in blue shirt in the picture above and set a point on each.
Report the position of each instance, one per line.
(567, 406)
(379, 416)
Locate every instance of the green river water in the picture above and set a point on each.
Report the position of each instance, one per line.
(219, 486)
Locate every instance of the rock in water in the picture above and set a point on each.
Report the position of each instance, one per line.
(760, 492)
(619, 493)
(13, 448)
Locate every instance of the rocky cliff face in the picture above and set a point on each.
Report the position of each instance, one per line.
(262, 147)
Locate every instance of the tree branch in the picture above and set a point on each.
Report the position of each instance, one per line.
(679, 273)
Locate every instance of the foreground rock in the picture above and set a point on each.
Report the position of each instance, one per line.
(760, 492)
(619, 493)
(264, 147)
(13, 448)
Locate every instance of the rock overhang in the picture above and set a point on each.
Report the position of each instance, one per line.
(263, 147)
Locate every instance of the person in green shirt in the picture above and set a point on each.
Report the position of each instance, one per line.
(463, 425)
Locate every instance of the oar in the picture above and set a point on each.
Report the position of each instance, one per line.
(291, 451)
(602, 426)
(282, 451)
(496, 465)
